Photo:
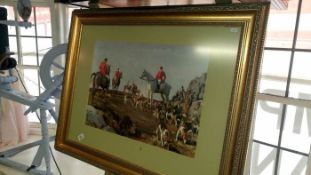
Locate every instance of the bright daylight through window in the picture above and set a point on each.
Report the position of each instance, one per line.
(281, 136)
(30, 44)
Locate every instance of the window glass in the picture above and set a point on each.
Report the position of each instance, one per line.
(31, 81)
(44, 45)
(37, 38)
(280, 27)
(267, 121)
(29, 53)
(297, 129)
(29, 60)
(296, 135)
(13, 45)
(263, 159)
(272, 85)
(292, 164)
(273, 81)
(43, 19)
(273, 59)
(304, 32)
(301, 76)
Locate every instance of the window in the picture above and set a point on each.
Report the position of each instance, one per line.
(281, 134)
(30, 44)
(51, 25)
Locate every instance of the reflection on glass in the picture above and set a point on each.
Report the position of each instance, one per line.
(44, 45)
(297, 129)
(273, 80)
(43, 19)
(267, 122)
(12, 43)
(301, 66)
(304, 32)
(263, 160)
(300, 90)
(292, 164)
(281, 25)
(273, 59)
(31, 81)
(301, 76)
(29, 60)
(29, 49)
(272, 85)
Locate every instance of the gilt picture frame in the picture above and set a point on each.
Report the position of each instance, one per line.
(162, 90)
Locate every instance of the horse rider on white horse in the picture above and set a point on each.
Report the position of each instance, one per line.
(161, 77)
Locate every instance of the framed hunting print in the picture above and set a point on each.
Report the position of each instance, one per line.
(162, 90)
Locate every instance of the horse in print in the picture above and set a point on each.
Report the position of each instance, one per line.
(163, 90)
(116, 83)
(100, 80)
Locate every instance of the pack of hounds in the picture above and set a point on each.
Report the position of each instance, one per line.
(178, 118)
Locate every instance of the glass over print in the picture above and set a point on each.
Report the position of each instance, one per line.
(153, 96)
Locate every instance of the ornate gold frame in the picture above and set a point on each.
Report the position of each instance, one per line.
(251, 17)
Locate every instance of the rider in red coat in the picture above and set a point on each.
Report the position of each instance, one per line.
(161, 77)
(104, 68)
(118, 74)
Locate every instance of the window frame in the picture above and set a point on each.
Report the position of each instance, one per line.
(284, 101)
